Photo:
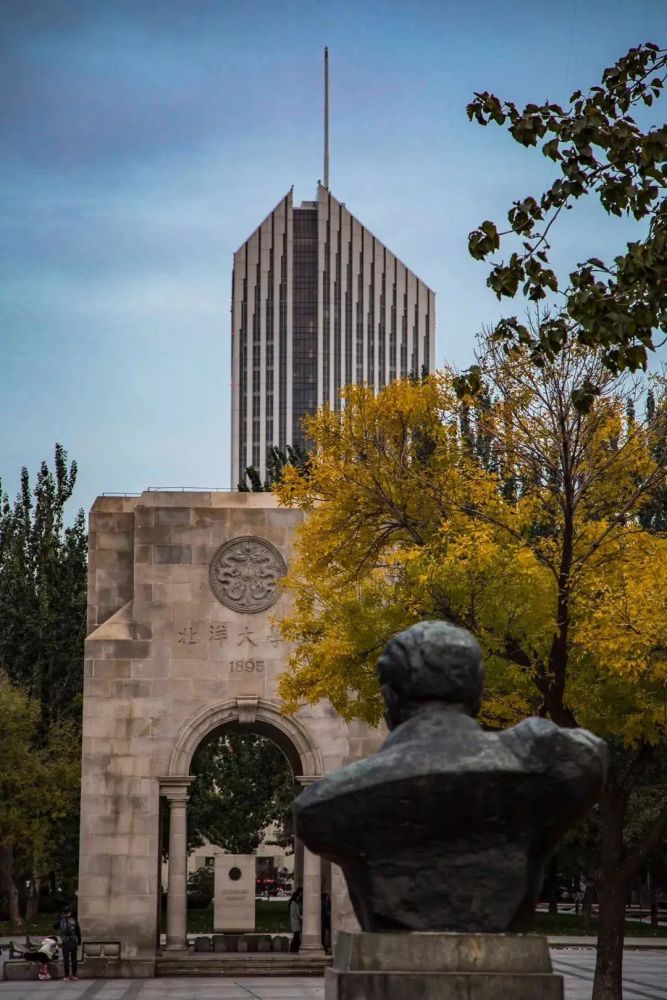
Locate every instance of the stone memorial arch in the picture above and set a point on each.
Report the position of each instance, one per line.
(182, 646)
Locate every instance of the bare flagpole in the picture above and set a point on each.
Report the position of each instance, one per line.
(326, 118)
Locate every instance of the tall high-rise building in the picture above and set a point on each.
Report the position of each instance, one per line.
(318, 303)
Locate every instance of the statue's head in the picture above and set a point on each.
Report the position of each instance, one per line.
(430, 662)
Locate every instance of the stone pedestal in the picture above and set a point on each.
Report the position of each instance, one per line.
(437, 966)
(234, 892)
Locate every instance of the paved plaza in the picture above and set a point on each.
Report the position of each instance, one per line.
(645, 975)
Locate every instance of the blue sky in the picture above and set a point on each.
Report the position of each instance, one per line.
(144, 140)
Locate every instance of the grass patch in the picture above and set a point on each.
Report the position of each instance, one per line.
(39, 927)
(270, 918)
(273, 918)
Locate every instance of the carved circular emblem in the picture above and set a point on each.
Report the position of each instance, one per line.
(244, 574)
(235, 874)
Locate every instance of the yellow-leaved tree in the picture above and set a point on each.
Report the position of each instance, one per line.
(512, 513)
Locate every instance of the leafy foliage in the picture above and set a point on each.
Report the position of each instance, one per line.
(514, 512)
(276, 461)
(616, 305)
(202, 880)
(43, 591)
(504, 514)
(38, 784)
(42, 628)
(653, 515)
(243, 785)
(37, 781)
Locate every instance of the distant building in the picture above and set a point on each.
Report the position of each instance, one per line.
(318, 303)
(269, 856)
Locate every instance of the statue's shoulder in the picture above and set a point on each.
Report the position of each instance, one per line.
(543, 740)
(347, 780)
(532, 733)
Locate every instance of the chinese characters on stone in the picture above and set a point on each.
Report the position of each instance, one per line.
(218, 632)
(187, 636)
(223, 631)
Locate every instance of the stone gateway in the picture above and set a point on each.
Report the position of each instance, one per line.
(182, 644)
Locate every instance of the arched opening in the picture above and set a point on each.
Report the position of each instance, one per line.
(240, 804)
(265, 718)
(244, 785)
(206, 777)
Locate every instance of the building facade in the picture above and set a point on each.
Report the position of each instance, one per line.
(318, 303)
(182, 646)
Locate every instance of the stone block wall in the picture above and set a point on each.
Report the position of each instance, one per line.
(162, 652)
(111, 557)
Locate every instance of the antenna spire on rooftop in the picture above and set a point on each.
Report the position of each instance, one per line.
(326, 118)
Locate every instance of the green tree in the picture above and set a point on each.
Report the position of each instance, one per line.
(38, 786)
(276, 461)
(614, 306)
(43, 591)
(581, 852)
(42, 624)
(243, 784)
(653, 515)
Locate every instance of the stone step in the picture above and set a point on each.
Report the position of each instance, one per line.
(240, 965)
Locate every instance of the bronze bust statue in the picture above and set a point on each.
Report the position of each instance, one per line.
(447, 827)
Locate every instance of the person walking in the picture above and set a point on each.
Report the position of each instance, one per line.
(295, 907)
(70, 937)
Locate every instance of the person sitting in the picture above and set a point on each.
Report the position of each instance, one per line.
(44, 954)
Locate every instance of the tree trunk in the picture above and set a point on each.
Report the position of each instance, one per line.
(16, 924)
(553, 885)
(32, 902)
(653, 900)
(612, 892)
(608, 983)
(619, 873)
